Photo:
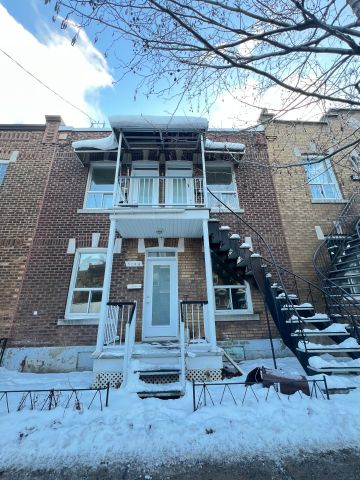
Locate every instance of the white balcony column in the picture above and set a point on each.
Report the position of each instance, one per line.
(116, 192)
(106, 287)
(209, 322)
(204, 171)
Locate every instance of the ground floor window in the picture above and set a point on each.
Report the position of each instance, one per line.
(85, 293)
(231, 296)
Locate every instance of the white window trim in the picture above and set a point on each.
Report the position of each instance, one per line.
(78, 316)
(4, 162)
(333, 178)
(88, 183)
(221, 164)
(243, 311)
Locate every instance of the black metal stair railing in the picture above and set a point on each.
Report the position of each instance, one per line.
(329, 251)
(267, 273)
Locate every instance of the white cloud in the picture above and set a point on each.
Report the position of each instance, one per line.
(76, 73)
(241, 107)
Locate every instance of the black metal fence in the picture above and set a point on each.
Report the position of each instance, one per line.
(213, 394)
(41, 400)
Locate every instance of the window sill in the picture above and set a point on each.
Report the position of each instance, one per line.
(233, 316)
(328, 200)
(78, 321)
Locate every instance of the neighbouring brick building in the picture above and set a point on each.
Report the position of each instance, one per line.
(124, 215)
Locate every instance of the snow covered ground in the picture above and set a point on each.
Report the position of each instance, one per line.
(153, 431)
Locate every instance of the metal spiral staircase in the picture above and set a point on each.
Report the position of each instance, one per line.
(319, 324)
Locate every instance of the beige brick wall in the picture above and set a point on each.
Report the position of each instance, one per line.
(299, 212)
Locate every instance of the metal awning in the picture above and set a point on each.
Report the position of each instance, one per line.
(159, 132)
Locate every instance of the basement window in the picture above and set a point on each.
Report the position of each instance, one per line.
(322, 180)
(3, 167)
(86, 286)
(231, 297)
(221, 181)
(100, 187)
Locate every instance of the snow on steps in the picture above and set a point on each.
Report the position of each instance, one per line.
(348, 345)
(317, 318)
(335, 329)
(329, 364)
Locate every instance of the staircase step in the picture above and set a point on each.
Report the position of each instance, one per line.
(335, 329)
(317, 318)
(164, 372)
(175, 389)
(334, 364)
(348, 345)
(345, 277)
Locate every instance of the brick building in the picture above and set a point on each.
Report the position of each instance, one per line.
(120, 252)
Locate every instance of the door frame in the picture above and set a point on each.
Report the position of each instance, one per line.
(174, 294)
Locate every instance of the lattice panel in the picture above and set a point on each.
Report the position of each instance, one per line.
(103, 378)
(159, 378)
(212, 375)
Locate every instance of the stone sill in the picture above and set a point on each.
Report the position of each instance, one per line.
(338, 200)
(235, 317)
(217, 210)
(78, 321)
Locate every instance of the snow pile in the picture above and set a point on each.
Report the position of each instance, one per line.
(152, 431)
(107, 143)
(154, 122)
(224, 146)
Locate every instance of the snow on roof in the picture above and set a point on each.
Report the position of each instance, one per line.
(155, 122)
(107, 143)
(224, 146)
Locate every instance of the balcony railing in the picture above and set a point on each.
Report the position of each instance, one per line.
(160, 192)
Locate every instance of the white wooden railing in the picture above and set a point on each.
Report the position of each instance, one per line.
(194, 316)
(119, 314)
(151, 191)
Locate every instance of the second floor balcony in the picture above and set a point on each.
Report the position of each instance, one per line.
(160, 192)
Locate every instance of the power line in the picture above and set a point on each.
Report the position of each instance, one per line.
(46, 86)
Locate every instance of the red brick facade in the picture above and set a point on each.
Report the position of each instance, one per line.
(54, 184)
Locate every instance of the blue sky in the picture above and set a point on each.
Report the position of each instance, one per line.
(85, 78)
(41, 37)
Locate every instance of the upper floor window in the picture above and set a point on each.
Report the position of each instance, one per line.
(355, 163)
(99, 192)
(221, 181)
(3, 167)
(322, 180)
(86, 285)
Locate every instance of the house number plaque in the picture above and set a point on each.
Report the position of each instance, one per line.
(133, 263)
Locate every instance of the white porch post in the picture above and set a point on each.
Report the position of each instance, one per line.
(204, 172)
(209, 323)
(106, 287)
(117, 170)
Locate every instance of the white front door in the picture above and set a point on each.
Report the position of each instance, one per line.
(160, 312)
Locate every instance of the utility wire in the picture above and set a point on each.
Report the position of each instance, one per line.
(49, 88)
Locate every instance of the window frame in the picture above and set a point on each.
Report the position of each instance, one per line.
(355, 164)
(220, 208)
(232, 311)
(329, 169)
(75, 268)
(6, 163)
(93, 165)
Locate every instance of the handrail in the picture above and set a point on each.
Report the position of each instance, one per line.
(347, 223)
(130, 333)
(192, 319)
(278, 269)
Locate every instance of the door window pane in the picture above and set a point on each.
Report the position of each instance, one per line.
(161, 295)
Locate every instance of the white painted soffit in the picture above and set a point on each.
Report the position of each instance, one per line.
(103, 144)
